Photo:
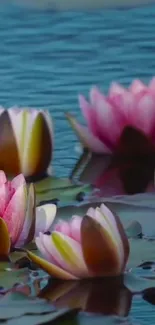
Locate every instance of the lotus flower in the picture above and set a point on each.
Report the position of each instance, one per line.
(25, 141)
(108, 116)
(19, 220)
(93, 246)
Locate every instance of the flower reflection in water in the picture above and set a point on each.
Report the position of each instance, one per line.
(129, 171)
(106, 296)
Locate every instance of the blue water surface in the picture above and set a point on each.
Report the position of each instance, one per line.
(47, 58)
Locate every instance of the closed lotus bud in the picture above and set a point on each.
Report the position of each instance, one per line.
(26, 141)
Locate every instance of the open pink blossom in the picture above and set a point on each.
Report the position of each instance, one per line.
(108, 116)
(18, 211)
(93, 246)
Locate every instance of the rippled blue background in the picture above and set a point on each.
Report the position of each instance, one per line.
(47, 58)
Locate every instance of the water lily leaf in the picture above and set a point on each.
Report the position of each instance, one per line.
(139, 207)
(134, 229)
(11, 277)
(137, 284)
(52, 183)
(43, 319)
(64, 194)
(19, 304)
(141, 250)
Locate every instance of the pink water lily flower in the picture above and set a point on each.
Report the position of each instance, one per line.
(107, 116)
(17, 210)
(93, 246)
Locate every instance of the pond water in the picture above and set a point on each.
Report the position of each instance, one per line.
(47, 58)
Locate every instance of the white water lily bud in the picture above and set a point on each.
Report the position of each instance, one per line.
(26, 141)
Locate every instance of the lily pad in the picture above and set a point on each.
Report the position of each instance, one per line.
(64, 194)
(52, 183)
(139, 208)
(12, 277)
(138, 284)
(27, 310)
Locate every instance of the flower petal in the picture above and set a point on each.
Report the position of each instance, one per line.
(87, 139)
(66, 253)
(99, 251)
(69, 254)
(42, 249)
(137, 86)
(9, 157)
(89, 114)
(75, 227)
(64, 227)
(4, 239)
(108, 120)
(117, 232)
(3, 178)
(45, 215)
(28, 231)
(14, 214)
(18, 181)
(38, 149)
(50, 268)
(3, 198)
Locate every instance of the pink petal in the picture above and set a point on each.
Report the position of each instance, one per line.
(116, 90)
(42, 249)
(109, 128)
(137, 86)
(3, 199)
(143, 115)
(89, 115)
(3, 178)
(75, 269)
(14, 214)
(87, 138)
(28, 230)
(152, 86)
(18, 181)
(63, 227)
(46, 243)
(75, 225)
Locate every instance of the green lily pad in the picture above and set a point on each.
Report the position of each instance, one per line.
(134, 229)
(19, 304)
(139, 208)
(137, 284)
(52, 183)
(64, 194)
(11, 277)
(48, 318)
(141, 250)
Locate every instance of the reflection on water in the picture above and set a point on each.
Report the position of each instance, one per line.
(103, 296)
(129, 171)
